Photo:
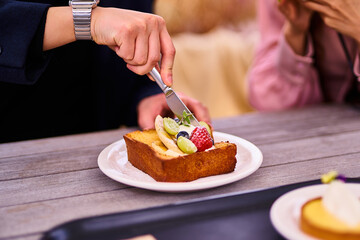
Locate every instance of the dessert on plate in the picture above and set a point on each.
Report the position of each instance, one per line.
(335, 215)
(176, 151)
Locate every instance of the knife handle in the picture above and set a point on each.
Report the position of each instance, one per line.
(157, 77)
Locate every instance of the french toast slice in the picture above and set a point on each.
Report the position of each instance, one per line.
(147, 153)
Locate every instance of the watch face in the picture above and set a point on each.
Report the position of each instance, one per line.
(93, 2)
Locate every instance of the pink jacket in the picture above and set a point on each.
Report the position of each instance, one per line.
(280, 79)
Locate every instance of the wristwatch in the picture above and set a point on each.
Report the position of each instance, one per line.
(81, 10)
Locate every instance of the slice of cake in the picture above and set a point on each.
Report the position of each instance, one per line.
(179, 152)
(335, 215)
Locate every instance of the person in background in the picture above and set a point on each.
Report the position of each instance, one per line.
(52, 83)
(308, 53)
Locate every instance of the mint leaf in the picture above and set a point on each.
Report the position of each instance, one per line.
(185, 120)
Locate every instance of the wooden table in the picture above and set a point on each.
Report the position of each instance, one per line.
(46, 182)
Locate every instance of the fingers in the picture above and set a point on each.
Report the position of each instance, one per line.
(200, 111)
(146, 123)
(151, 59)
(126, 45)
(152, 106)
(140, 51)
(160, 46)
(324, 6)
(168, 55)
(315, 6)
(142, 45)
(288, 9)
(148, 51)
(134, 48)
(149, 108)
(154, 50)
(316, 1)
(327, 13)
(138, 38)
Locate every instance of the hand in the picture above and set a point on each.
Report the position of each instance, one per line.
(296, 14)
(297, 23)
(141, 39)
(341, 15)
(155, 105)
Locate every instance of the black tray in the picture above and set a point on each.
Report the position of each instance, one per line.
(240, 216)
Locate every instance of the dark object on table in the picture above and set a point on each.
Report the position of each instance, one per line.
(240, 216)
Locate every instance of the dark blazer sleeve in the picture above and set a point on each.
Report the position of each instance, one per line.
(145, 88)
(22, 27)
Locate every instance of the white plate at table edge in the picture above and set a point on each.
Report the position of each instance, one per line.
(216, 181)
(285, 211)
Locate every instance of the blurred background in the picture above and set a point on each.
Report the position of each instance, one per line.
(215, 42)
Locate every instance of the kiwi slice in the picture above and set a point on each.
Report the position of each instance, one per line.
(171, 126)
(186, 145)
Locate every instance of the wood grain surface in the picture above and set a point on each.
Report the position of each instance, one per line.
(46, 182)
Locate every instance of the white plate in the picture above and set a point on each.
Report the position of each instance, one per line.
(285, 211)
(113, 162)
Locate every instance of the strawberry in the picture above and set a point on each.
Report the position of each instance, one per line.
(201, 138)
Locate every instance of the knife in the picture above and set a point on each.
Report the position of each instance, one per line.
(174, 102)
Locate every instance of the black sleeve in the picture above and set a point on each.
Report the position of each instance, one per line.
(145, 88)
(22, 26)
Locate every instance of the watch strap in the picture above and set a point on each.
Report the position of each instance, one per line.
(82, 17)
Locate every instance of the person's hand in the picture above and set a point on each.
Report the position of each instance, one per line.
(152, 106)
(296, 14)
(141, 39)
(341, 15)
(297, 23)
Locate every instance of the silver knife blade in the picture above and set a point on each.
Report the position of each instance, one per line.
(174, 102)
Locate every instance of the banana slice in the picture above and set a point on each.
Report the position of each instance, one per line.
(165, 138)
(187, 129)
